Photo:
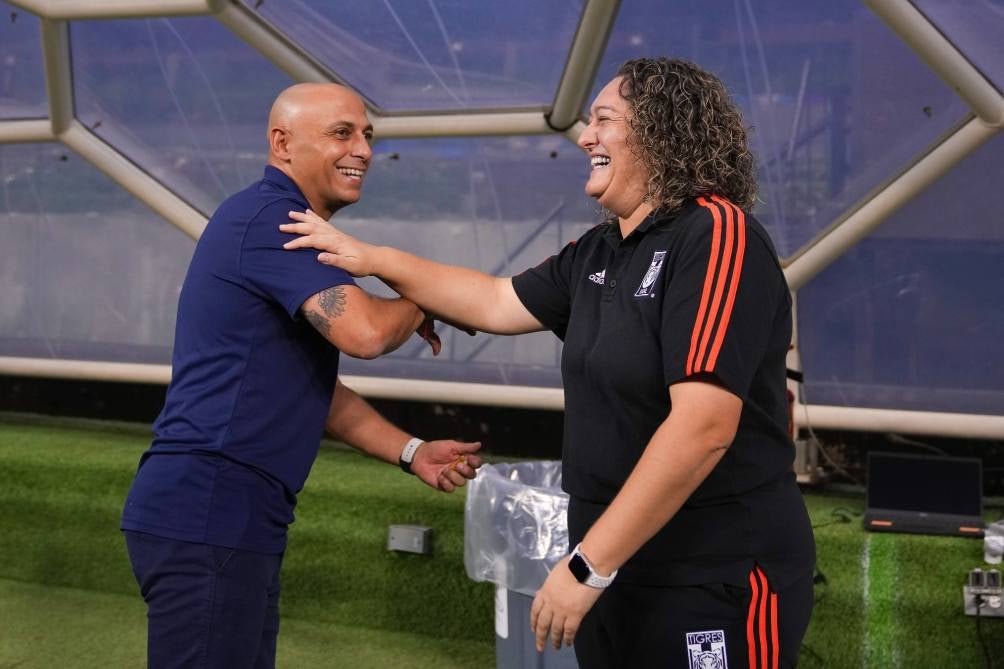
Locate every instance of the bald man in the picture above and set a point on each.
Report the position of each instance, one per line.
(254, 387)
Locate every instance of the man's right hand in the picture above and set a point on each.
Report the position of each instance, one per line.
(338, 249)
(445, 464)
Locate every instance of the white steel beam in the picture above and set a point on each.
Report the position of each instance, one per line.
(572, 134)
(584, 58)
(272, 45)
(85, 370)
(966, 426)
(525, 397)
(33, 6)
(401, 389)
(144, 187)
(113, 9)
(943, 57)
(460, 125)
(32, 130)
(58, 77)
(829, 245)
(969, 426)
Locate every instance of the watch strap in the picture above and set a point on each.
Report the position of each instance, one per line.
(584, 573)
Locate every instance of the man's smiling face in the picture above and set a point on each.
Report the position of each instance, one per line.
(324, 144)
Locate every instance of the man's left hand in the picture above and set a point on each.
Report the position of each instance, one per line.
(559, 607)
(446, 465)
(427, 331)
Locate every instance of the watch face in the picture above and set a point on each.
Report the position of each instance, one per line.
(579, 568)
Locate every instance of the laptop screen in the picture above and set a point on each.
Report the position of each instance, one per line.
(925, 483)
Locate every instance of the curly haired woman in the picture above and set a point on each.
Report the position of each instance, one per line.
(692, 546)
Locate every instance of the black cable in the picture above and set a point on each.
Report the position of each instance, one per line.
(978, 599)
(826, 524)
(840, 514)
(904, 441)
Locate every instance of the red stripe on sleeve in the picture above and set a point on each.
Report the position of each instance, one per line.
(773, 631)
(716, 302)
(709, 279)
(750, 637)
(740, 224)
(763, 618)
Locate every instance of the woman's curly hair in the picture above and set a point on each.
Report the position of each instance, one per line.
(688, 132)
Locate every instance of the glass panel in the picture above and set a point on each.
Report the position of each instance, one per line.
(22, 72)
(976, 27)
(183, 98)
(912, 317)
(86, 270)
(500, 205)
(838, 104)
(439, 54)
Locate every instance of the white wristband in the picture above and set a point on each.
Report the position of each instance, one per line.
(408, 454)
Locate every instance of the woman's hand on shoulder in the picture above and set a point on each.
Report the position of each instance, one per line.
(337, 248)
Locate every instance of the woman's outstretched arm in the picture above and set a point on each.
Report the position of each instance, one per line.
(459, 295)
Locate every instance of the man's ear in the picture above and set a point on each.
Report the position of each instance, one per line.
(278, 142)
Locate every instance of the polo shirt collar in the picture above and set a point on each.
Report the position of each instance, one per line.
(652, 219)
(657, 218)
(613, 232)
(279, 178)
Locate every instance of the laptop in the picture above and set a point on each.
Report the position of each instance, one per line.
(924, 494)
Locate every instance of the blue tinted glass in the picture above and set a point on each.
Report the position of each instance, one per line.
(500, 205)
(912, 317)
(86, 270)
(437, 54)
(976, 27)
(838, 104)
(22, 74)
(183, 98)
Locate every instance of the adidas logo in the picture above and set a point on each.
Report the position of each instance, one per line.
(598, 277)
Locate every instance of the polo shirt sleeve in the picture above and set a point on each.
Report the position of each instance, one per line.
(721, 300)
(288, 277)
(545, 290)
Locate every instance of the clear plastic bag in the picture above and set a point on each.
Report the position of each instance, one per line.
(515, 525)
(993, 542)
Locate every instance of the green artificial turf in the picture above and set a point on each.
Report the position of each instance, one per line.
(61, 495)
(49, 626)
(892, 600)
(67, 597)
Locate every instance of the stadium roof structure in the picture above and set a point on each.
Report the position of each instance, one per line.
(124, 123)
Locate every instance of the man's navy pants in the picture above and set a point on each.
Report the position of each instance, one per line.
(207, 606)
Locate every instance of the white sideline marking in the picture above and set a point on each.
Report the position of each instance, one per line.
(868, 651)
(865, 579)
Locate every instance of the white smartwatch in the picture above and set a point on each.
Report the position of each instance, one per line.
(584, 573)
(408, 454)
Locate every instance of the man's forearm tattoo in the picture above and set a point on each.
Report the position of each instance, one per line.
(332, 301)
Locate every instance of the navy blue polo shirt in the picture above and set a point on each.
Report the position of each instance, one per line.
(698, 294)
(251, 386)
